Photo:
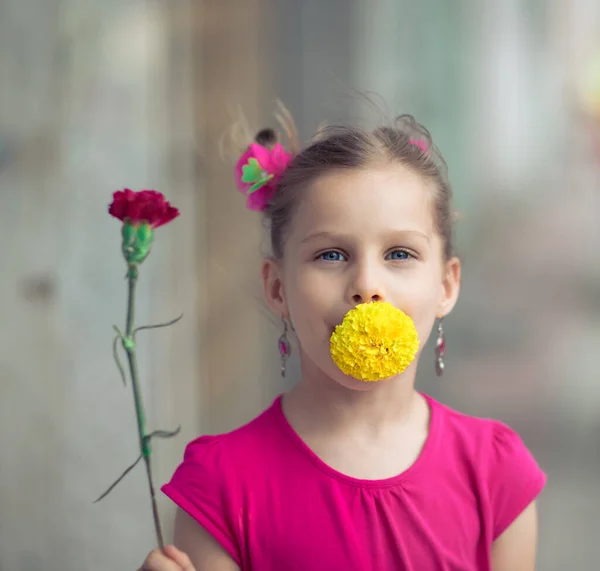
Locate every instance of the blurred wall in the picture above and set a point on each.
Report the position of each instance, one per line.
(92, 99)
(97, 96)
(499, 84)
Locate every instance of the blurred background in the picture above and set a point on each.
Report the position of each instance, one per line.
(96, 96)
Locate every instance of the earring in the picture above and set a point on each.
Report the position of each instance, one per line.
(285, 349)
(440, 347)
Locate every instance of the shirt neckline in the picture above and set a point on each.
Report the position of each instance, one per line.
(307, 452)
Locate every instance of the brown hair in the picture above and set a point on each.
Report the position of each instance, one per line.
(345, 148)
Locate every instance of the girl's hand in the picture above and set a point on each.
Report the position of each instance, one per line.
(171, 559)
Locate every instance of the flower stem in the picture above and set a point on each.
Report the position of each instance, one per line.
(129, 345)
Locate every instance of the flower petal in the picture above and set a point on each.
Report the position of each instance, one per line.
(143, 206)
(262, 155)
(375, 341)
(118, 207)
(243, 160)
(259, 199)
(279, 159)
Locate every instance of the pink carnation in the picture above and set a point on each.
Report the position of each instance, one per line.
(272, 161)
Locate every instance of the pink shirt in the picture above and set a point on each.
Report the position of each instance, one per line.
(275, 506)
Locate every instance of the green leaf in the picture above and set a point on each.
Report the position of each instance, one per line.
(117, 360)
(163, 433)
(252, 171)
(119, 479)
(259, 184)
(166, 324)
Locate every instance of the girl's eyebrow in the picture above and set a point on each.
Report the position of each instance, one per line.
(335, 236)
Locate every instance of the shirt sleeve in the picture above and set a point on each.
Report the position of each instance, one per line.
(515, 479)
(200, 487)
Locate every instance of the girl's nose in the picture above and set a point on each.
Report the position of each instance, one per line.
(366, 286)
(366, 298)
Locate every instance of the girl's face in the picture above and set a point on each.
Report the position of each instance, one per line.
(360, 236)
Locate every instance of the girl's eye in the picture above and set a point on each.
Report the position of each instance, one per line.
(399, 255)
(332, 256)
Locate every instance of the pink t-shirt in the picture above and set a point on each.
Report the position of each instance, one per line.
(275, 506)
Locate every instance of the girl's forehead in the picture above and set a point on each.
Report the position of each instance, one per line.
(393, 198)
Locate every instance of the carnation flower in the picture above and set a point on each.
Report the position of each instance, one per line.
(141, 212)
(144, 206)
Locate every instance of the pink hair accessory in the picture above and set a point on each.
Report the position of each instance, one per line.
(421, 143)
(258, 171)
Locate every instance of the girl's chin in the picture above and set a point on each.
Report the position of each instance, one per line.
(323, 366)
(356, 384)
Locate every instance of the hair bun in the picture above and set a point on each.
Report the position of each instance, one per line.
(266, 137)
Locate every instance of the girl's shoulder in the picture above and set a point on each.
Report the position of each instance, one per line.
(478, 435)
(506, 473)
(220, 457)
(217, 471)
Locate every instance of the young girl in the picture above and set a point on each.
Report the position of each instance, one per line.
(342, 474)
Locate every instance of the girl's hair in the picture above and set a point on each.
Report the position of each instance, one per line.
(404, 142)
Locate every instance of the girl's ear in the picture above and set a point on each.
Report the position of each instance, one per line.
(273, 287)
(450, 287)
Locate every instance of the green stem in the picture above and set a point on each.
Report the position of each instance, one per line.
(129, 345)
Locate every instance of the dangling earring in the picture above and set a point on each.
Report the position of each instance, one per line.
(285, 349)
(440, 347)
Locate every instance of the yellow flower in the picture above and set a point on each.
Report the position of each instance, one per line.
(375, 341)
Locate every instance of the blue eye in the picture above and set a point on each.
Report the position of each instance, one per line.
(399, 255)
(332, 256)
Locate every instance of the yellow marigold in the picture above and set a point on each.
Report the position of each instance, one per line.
(375, 341)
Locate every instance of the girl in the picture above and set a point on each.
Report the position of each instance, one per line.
(341, 474)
